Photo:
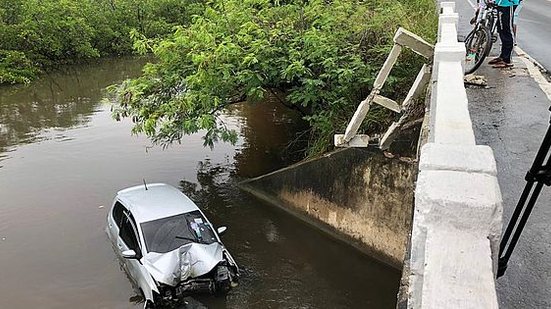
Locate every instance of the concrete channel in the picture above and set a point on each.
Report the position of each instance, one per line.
(439, 220)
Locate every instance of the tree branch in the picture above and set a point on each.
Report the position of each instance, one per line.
(299, 109)
(232, 101)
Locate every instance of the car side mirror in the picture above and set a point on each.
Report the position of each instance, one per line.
(129, 254)
(221, 230)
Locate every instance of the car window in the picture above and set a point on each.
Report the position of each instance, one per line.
(118, 211)
(128, 235)
(167, 234)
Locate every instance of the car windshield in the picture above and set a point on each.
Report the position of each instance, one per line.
(166, 234)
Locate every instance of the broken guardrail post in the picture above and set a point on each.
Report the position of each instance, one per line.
(402, 38)
(419, 86)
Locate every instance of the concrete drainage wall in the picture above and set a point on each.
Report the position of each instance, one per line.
(362, 197)
(458, 205)
(357, 195)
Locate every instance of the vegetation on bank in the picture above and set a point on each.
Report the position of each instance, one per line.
(36, 35)
(319, 57)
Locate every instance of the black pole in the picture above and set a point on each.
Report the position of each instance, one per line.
(540, 174)
(518, 210)
(523, 221)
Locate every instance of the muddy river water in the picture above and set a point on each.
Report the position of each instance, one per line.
(62, 158)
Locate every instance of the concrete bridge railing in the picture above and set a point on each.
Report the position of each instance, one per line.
(458, 205)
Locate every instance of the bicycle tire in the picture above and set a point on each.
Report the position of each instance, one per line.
(479, 42)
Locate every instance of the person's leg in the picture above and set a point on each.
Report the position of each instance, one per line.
(499, 58)
(500, 30)
(506, 33)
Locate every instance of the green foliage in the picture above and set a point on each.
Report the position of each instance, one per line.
(322, 55)
(50, 32)
(15, 68)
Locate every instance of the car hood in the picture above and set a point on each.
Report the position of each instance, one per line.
(167, 267)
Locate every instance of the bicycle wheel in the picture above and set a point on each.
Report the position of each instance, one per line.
(477, 44)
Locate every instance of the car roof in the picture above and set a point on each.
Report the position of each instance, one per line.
(158, 201)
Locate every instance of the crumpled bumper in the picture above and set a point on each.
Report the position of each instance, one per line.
(192, 269)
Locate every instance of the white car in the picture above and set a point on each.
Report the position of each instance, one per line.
(167, 246)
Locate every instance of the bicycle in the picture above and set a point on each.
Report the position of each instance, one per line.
(478, 42)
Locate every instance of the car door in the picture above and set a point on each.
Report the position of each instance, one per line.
(129, 240)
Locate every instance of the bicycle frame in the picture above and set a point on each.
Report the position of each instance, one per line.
(488, 17)
(481, 38)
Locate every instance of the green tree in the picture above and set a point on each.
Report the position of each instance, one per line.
(15, 68)
(40, 34)
(318, 57)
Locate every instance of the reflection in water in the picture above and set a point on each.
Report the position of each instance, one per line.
(60, 100)
(272, 138)
(56, 193)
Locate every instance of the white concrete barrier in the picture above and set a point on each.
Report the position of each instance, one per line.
(458, 205)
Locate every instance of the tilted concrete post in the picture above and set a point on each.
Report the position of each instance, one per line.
(402, 38)
(419, 86)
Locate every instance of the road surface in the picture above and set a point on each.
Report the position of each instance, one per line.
(511, 116)
(534, 30)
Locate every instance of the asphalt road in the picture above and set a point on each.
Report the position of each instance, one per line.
(511, 116)
(534, 30)
(533, 27)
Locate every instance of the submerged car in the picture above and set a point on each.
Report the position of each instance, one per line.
(167, 246)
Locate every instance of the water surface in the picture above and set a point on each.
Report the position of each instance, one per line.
(62, 159)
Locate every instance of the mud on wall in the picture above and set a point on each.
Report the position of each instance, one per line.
(357, 195)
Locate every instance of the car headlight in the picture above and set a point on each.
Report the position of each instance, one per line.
(185, 266)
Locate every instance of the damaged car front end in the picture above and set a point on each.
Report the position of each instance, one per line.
(192, 269)
(170, 250)
(186, 257)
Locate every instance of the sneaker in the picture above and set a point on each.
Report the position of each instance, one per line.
(495, 60)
